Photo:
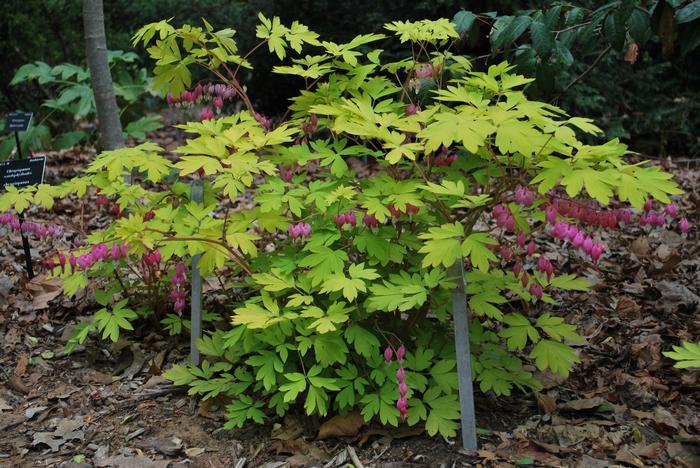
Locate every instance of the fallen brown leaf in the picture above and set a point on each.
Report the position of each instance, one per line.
(341, 426)
(43, 290)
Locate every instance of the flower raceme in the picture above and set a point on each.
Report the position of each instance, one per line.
(402, 402)
(177, 295)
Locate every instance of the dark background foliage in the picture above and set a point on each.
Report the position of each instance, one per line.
(654, 104)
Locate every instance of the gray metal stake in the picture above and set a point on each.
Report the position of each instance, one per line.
(464, 365)
(197, 196)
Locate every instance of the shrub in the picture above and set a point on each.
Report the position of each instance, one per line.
(332, 274)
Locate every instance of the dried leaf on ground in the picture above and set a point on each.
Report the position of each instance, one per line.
(341, 426)
(43, 290)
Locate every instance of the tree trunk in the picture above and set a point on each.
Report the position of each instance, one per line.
(111, 136)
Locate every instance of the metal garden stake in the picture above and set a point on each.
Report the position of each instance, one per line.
(464, 365)
(196, 318)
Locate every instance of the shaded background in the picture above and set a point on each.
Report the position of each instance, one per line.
(654, 105)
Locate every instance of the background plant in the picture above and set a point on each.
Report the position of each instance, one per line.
(466, 168)
(70, 102)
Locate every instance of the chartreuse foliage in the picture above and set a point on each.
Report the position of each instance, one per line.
(308, 331)
(687, 355)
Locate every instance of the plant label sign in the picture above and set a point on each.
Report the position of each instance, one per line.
(22, 172)
(18, 121)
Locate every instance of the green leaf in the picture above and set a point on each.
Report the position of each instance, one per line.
(482, 304)
(570, 283)
(443, 245)
(474, 247)
(555, 356)
(687, 355)
(518, 331)
(364, 341)
(557, 328)
(443, 414)
(542, 38)
(688, 13)
(463, 21)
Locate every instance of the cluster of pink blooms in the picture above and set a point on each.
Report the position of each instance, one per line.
(402, 402)
(98, 252)
(348, 218)
(578, 238)
(216, 93)
(299, 230)
(12, 222)
(409, 210)
(178, 292)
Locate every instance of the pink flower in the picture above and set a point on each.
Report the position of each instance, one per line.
(388, 354)
(218, 102)
(671, 210)
(403, 389)
(339, 220)
(588, 245)
(648, 205)
(116, 253)
(350, 218)
(579, 239)
(683, 225)
(550, 214)
(531, 248)
(401, 374)
(425, 71)
(412, 109)
(524, 280)
(206, 114)
(536, 290)
(370, 221)
(521, 239)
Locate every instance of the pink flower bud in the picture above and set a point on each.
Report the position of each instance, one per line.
(588, 245)
(524, 280)
(401, 374)
(370, 221)
(517, 268)
(218, 102)
(536, 290)
(683, 225)
(305, 230)
(597, 251)
(531, 248)
(403, 389)
(579, 239)
(521, 239)
(116, 253)
(648, 205)
(671, 210)
(388, 354)
(505, 253)
(401, 352)
(571, 232)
